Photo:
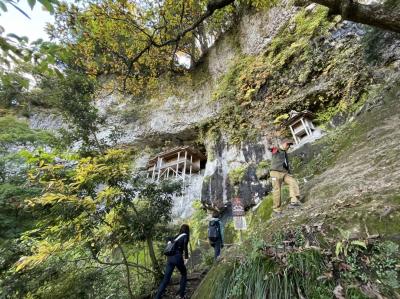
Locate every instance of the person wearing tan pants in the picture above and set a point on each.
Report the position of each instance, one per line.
(277, 179)
(280, 173)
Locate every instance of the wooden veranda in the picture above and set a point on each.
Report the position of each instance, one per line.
(179, 162)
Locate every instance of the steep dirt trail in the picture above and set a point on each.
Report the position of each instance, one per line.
(364, 181)
(194, 280)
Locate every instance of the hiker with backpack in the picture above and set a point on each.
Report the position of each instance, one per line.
(177, 255)
(216, 234)
(280, 173)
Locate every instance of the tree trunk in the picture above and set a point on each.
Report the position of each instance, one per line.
(128, 274)
(370, 14)
(153, 258)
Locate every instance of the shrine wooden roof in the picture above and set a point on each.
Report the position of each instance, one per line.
(296, 117)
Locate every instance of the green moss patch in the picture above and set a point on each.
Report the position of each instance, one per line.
(262, 170)
(237, 174)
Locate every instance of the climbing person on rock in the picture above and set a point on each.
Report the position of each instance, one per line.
(280, 173)
(176, 259)
(216, 234)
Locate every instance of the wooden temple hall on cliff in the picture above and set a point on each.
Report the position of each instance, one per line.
(179, 162)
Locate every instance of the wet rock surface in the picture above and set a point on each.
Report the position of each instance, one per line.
(217, 187)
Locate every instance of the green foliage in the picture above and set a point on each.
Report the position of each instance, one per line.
(260, 277)
(376, 262)
(97, 212)
(385, 264)
(246, 81)
(76, 100)
(22, 62)
(259, 3)
(12, 88)
(15, 216)
(17, 132)
(47, 4)
(207, 258)
(264, 210)
(281, 118)
(198, 224)
(346, 245)
(391, 4)
(236, 91)
(136, 43)
(262, 170)
(295, 38)
(14, 219)
(237, 174)
(230, 234)
(292, 264)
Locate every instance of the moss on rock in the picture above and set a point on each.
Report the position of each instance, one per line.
(237, 174)
(262, 170)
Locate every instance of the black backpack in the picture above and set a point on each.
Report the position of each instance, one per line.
(213, 231)
(170, 248)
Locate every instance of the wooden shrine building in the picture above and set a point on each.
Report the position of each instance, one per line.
(300, 124)
(179, 162)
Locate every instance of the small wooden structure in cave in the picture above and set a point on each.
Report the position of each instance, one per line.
(300, 124)
(179, 162)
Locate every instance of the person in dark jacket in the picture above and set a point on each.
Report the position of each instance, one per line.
(219, 242)
(280, 173)
(177, 260)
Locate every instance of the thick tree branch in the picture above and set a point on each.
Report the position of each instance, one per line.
(370, 14)
(128, 273)
(212, 6)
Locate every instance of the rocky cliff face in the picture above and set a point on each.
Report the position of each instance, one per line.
(287, 57)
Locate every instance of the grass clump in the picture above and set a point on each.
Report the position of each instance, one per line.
(267, 277)
(300, 263)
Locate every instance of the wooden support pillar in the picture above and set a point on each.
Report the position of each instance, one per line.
(191, 163)
(159, 168)
(154, 171)
(294, 135)
(305, 127)
(177, 164)
(184, 167)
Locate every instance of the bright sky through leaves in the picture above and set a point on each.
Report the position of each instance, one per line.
(14, 21)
